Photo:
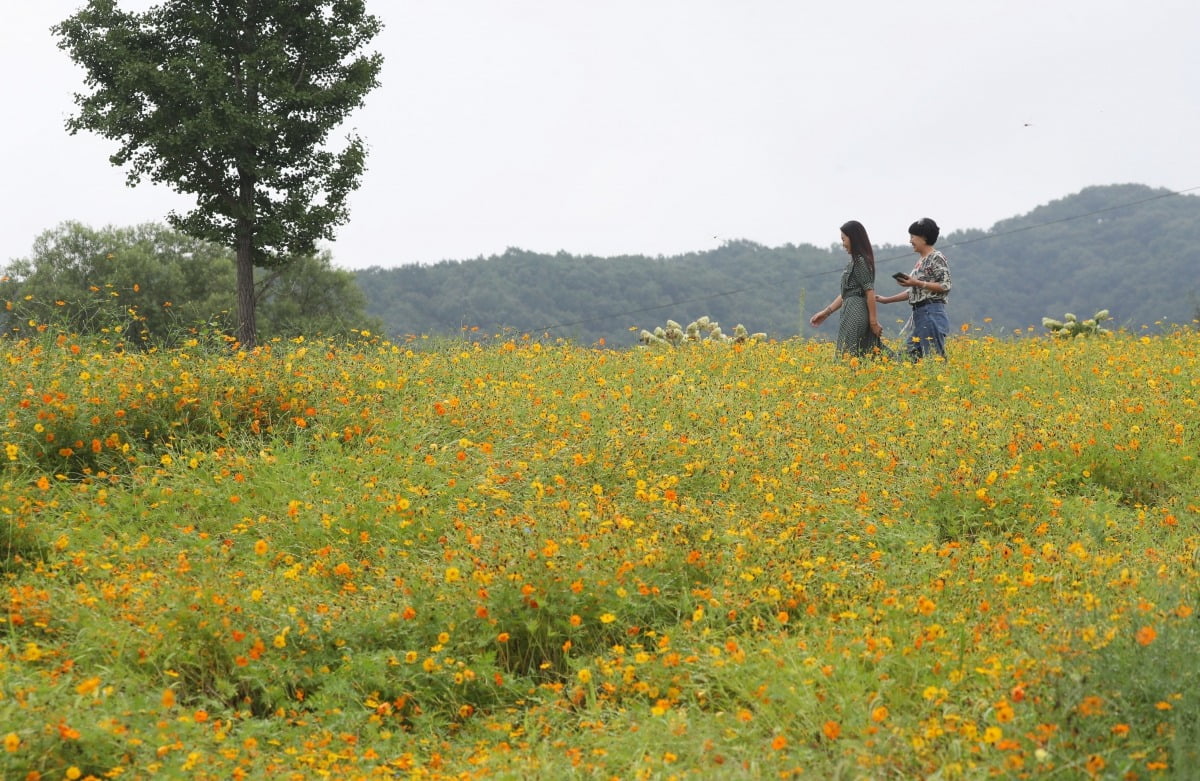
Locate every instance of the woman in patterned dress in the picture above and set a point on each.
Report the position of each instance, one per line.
(928, 286)
(858, 328)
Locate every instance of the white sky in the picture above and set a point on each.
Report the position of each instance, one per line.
(669, 126)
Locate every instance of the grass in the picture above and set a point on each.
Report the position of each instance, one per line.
(518, 559)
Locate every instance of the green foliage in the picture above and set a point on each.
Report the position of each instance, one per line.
(1071, 327)
(232, 104)
(1139, 474)
(20, 546)
(133, 284)
(309, 297)
(1123, 684)
(153, 286)
(701, 330)
(971, 507)
(1138, 240)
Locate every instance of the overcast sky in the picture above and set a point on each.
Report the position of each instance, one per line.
(670, 126)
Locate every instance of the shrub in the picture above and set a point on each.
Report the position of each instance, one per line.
(702, 330)
(1072, 326)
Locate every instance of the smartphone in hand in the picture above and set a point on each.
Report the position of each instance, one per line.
(899, 276)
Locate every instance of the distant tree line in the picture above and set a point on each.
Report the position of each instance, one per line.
(1134, 255)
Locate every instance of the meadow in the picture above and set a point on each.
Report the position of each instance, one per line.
(520, 559)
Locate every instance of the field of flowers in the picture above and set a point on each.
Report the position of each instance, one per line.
(530, 560)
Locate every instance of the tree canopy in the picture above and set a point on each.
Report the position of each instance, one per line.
(232, 101)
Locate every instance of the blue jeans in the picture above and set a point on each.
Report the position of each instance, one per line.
(931, 326)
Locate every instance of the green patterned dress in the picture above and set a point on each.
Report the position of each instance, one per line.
(854, 327)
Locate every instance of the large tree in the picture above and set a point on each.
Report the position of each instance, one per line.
(232, 101)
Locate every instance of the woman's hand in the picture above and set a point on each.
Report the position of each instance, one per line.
(876, 328)
(816, 320)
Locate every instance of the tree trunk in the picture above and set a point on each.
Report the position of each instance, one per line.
(246, 300)
(247, 327)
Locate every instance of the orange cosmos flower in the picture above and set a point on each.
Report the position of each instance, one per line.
(88, 686)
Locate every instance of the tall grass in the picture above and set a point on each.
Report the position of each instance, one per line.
(520, 559)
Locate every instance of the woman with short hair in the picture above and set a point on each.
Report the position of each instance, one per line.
(928, 287)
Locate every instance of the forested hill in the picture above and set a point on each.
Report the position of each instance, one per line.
(1134, 253)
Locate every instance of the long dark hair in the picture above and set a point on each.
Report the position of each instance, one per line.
(860, 244)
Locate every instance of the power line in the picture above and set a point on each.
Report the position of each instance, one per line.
(645, 309)
(1061, 220)
(985, 237)
(1025, 228)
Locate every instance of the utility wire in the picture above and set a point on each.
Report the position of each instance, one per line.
(646, 309)
(964, 242)
(1024, 228)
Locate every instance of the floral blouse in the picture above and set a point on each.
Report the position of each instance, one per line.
(932, 268)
